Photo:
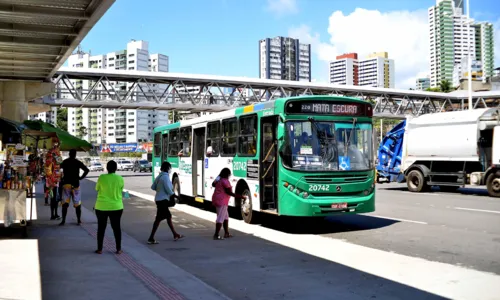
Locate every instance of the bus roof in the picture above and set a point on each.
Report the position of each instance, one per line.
(252, 108)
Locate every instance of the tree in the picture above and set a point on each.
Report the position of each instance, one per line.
(434, 89)
(445, 86)
(62, 119)
(82, 131)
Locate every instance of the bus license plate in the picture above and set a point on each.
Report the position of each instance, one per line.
(339, 205)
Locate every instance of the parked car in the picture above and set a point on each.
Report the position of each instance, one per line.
(142, 166)
(125, 165)
(96, 167)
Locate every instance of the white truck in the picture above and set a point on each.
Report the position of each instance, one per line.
(453, 149)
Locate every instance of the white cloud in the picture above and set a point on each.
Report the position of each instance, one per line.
(404, 34)
(282, 7)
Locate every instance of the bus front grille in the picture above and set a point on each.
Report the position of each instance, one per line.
(329, 179)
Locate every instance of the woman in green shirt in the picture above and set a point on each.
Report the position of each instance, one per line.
(109, 204)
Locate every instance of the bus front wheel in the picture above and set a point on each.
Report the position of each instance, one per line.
(246, 206)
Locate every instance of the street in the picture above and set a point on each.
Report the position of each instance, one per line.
(460, 229)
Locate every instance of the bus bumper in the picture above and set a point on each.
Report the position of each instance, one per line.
(322, 207)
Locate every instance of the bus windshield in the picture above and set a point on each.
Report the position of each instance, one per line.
(328, 146)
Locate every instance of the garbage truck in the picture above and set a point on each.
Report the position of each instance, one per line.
(448, 150)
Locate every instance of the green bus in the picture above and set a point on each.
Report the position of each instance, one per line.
(299, 156)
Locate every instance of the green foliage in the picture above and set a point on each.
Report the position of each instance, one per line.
(82, 131)
(62, 119)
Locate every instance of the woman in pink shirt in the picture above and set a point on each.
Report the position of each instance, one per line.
(220, 199)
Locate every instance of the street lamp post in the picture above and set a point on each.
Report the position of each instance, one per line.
(469, 60)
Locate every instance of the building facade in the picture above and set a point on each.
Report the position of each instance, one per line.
(377, 70)
(284, 58)
(453, 36)
(106, 126)
(422, 84)
(47, 117)
(345, 69)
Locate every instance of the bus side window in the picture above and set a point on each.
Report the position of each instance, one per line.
(164, 150)
(173, 143)
(213, 138)
(157, 144)
(186, 141)
(229, 137)
(248, 136)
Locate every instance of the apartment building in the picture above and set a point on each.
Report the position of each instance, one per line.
(377, 70)
(422, 84)
(48, 117)
(118, 125)
(284, 58)
(453, 36)
(345, 69)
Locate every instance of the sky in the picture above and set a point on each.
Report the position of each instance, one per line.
(220, 37)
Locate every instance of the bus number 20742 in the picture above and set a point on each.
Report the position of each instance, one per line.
(319, 187)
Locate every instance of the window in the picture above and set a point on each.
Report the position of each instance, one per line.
(157, 144)
(229, 137)
(131, 61)
(213, 137)
(131, 126)
(164, 146)
(247, 145)
(131, 113)
(186, 141)
(173, 143)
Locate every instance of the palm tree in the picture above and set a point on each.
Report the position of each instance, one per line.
(445, 86)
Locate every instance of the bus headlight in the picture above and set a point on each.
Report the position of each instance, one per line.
(305, 195)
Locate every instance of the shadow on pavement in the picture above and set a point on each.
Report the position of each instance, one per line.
(249, 267)
(464, 191)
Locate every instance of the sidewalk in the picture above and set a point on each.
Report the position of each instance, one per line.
(70, 269)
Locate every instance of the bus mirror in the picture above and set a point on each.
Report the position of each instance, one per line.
(281, 131)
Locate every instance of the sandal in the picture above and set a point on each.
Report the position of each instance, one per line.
(98, 251)
(178, 237)
(228, 236)
(118, 252)
(218, 238)
(153, 242)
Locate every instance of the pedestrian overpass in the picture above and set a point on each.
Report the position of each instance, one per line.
(209, 93)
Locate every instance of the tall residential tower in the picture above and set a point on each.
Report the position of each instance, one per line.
(284, 58)
(453, 36)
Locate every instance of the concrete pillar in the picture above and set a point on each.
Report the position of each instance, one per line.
(14, 97)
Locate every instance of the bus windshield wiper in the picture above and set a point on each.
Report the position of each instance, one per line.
(349, 137)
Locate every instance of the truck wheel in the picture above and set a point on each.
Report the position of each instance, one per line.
(416, 182)
(493, 184)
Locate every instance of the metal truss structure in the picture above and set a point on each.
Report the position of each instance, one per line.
(201, 93)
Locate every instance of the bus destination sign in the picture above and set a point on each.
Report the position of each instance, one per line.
(326, 108)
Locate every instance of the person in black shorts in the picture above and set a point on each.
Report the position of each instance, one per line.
(71, 185)
(164, 191)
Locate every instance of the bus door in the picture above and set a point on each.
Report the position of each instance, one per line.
(198, 158)
(268, 164)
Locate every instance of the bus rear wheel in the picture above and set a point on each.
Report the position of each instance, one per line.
(177, 189)
(246, 206)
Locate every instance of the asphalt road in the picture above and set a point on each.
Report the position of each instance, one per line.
(461, 229)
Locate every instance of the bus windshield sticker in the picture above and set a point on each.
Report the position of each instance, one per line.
(206, 163)
(305, 150)
(345, 163)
